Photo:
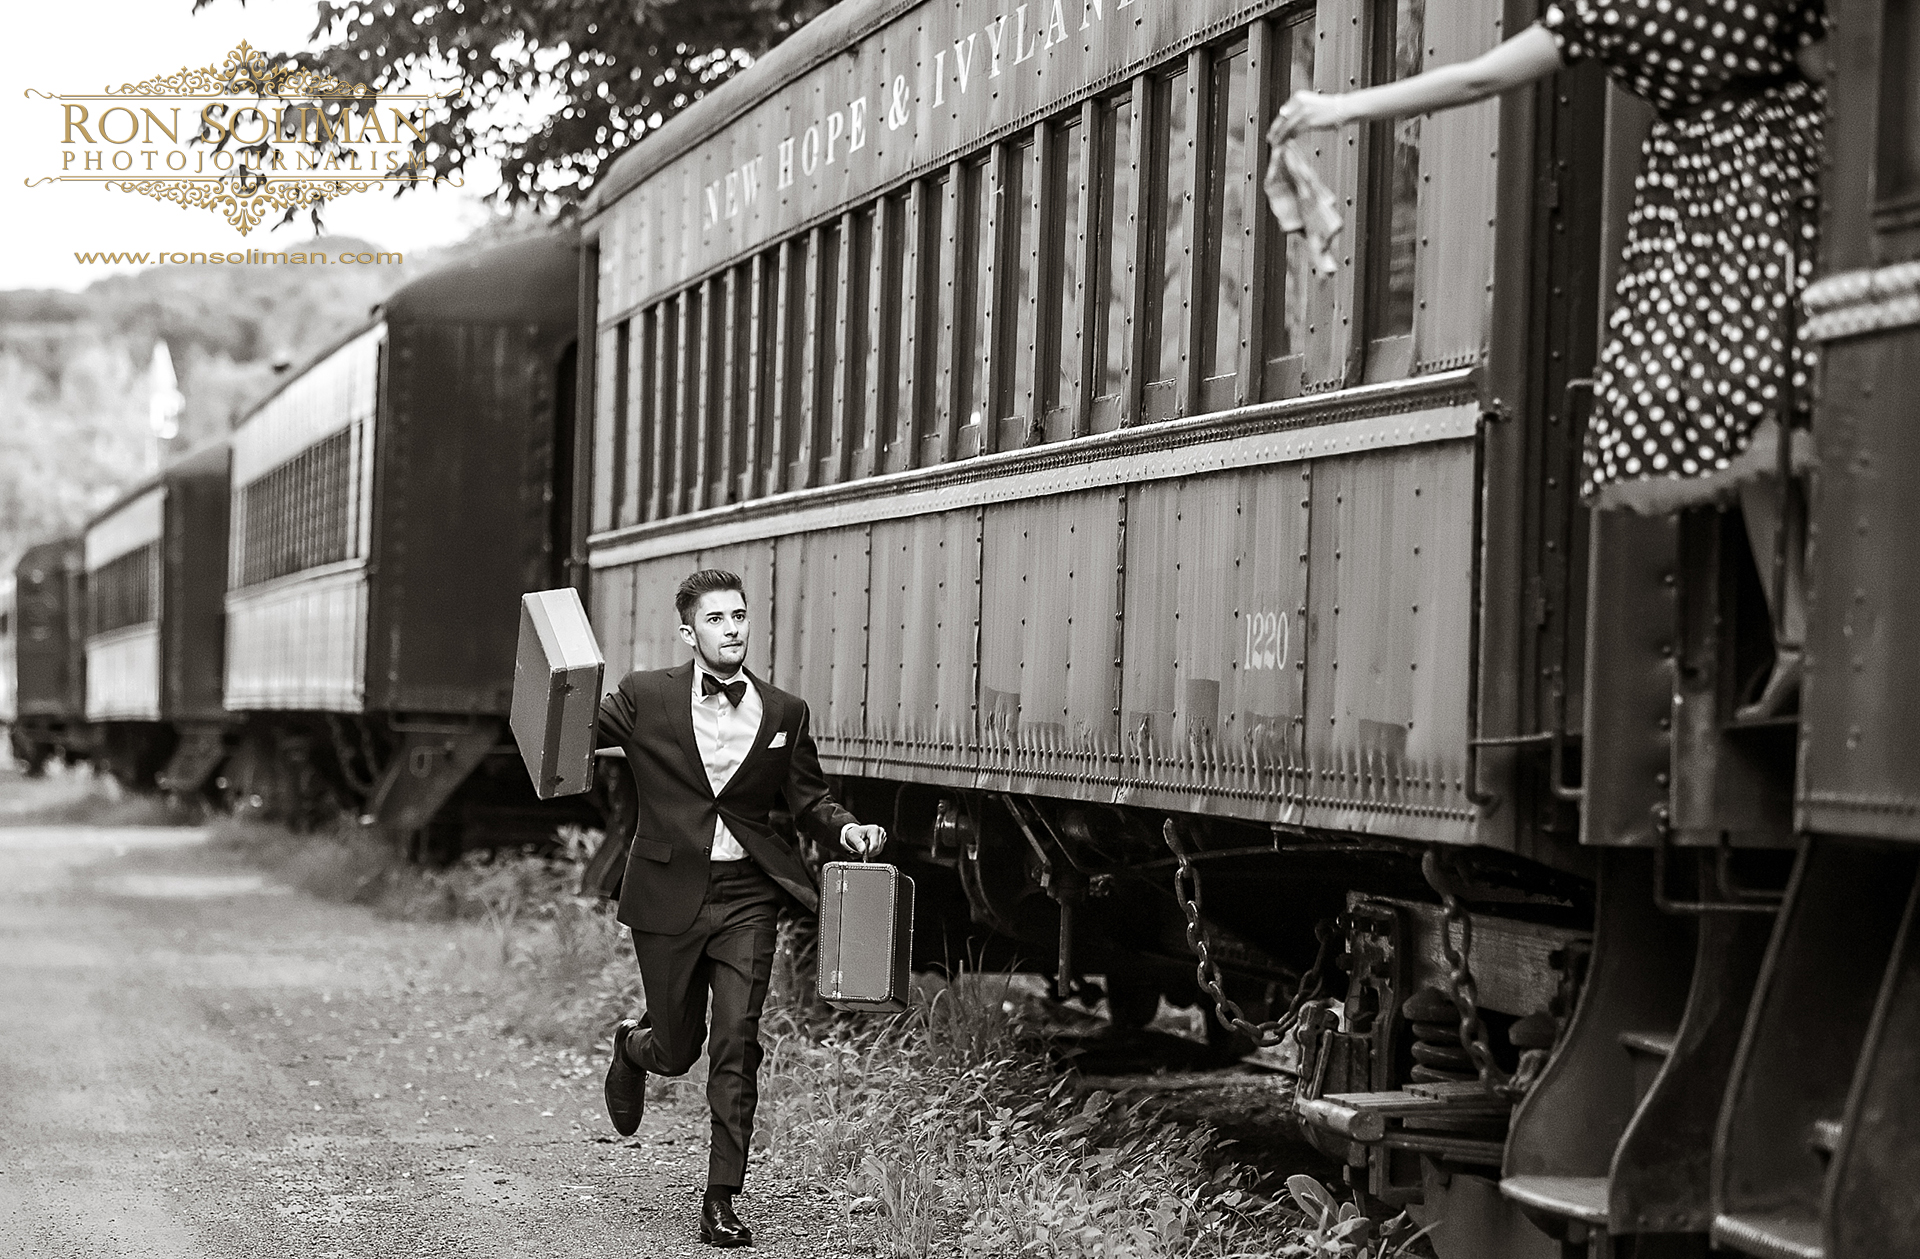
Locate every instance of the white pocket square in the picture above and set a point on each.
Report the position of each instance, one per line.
(779, 740)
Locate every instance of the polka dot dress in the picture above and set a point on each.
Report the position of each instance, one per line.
(1719, 241)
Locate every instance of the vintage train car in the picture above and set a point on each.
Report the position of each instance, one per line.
(50, 660)
(389, 502)
(8, 670)
(156, 575)
(1114, 548)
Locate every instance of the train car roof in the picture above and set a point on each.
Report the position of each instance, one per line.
(200, 461)
(533, 280)
(822, 38)
(68, 543)
(525, 281)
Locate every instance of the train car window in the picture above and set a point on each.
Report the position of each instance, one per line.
(710, 432)
(1399, 30)
(606, 421)
(125, 590)
(660, 403)
(766, 356)
(898, 361)
(686, 404)
(790, 396)
(643, 366)
(623, 453)
(827, 284)
(852, 413)
(940, 238)
(1116, 177)
(972, 364)
(1897, 179)
(1286, 276)
(297, 516)
(865, 435)
(1228, 256)
(1064, 299)
(1020, 252)
(1172, 201)
(738, 391)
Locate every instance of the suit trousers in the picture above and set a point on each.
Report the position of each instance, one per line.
(728, 953)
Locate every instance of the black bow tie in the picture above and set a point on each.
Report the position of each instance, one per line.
(735, 691)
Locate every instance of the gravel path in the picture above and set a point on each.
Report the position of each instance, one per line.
(197, 1062)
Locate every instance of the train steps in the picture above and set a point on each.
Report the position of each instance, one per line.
(1562, 1165)
(1813, 1157)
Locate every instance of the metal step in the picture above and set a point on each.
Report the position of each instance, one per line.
(1582, 1198)
(1653, 1044)
(200, 751)
(1825, 1136)
(1649, 1051)
(1770, 1236)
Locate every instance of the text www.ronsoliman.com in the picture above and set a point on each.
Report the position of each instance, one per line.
(248, 257)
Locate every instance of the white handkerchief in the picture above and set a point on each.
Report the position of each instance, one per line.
(779, 740)
(1303, 203)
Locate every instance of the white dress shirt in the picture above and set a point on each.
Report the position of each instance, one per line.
(724, 733)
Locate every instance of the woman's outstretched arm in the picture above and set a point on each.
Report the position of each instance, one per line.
(1532, 54)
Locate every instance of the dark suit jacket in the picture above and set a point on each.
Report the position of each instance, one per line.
(650, 715)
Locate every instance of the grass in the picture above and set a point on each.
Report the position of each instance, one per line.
(947, 1127)
(70, 796)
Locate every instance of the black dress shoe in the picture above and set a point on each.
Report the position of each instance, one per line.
(626, 1083)
(719, 1226)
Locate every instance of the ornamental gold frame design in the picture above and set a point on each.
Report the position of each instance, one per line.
(246, 196)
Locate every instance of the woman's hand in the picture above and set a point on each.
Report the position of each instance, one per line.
(1305, 111)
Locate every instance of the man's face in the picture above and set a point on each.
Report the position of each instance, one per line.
(718, 630)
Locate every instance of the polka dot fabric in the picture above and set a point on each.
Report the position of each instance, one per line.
(1720, 239)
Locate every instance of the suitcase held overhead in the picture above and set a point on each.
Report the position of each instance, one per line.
(556, 692)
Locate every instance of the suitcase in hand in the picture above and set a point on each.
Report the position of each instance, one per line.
(556, 692)
(866, 935)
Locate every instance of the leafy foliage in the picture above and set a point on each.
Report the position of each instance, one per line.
(604, 74)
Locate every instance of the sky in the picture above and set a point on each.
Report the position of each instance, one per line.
(85, 46)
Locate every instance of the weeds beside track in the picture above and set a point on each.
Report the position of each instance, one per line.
(947, 1125)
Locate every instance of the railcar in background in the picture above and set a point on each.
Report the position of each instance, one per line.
(389, 503)
(1110, 545)
(156, 575)
(8, 713)
(50, 659)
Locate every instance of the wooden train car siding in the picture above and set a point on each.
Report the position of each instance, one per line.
(921, 645)
(1226, 643)
(1047, 604)
(819, 620)
(1214, 677)
(1388, 664)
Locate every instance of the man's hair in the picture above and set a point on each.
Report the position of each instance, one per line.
(704, 582)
